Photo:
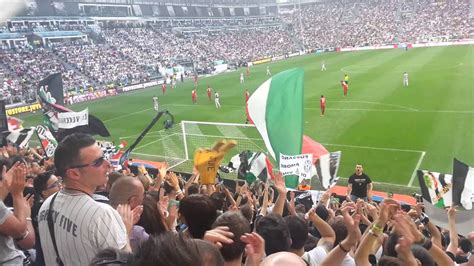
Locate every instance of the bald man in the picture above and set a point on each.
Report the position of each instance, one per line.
(282, 259)
(129, 190)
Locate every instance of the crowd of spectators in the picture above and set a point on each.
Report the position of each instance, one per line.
(135, 54)
(11, 88)
(75, 209)
(130, 53)
(26, 66)
(362, 23)
(104, 64)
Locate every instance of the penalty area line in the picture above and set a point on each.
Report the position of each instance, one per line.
(412, 179)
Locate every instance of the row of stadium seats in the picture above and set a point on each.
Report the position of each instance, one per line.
(133, 53)
(362, 23)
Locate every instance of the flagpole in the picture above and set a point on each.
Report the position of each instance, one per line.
(41, 144)
(126, 154)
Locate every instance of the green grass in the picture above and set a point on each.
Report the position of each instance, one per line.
(381, 124)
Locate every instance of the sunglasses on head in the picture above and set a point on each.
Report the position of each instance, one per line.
(96, 163)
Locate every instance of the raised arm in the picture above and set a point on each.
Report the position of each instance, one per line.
(263, 210)
(14, 180)
(328, 236)
(338, 253)
(370, 239)
(453, 234)
(281, 188)
(349, 191)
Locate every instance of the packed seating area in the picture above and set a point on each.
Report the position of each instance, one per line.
(134, 52)
(363, 23)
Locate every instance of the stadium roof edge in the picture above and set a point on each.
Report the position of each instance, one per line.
(59, 34)
(48, 18)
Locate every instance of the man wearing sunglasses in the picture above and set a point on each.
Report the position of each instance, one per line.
(81, 226)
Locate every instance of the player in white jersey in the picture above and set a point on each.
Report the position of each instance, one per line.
(155, 103)
(82, 227)
(217, 100)
(405, 79)
(323, 66)
(268, 71)
(242, 78)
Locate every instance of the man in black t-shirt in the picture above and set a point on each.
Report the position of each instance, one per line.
(360, 185)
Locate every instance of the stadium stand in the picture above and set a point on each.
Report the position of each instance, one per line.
(105, 218)
(120, 53)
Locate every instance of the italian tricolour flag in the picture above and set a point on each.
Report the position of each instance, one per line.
(276, 109)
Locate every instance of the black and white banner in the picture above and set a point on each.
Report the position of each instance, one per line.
(48, 142)
(68, 120)
(298, 165)
(327, 167)
(463, 184)
(108, 148)
(21, 137)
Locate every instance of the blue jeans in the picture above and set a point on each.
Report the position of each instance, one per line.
(354, 198)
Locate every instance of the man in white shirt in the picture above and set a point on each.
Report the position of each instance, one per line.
(155, 103)
(299, 233)
(217, 100)
(82, 226)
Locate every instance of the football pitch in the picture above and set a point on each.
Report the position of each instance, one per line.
(392, 130)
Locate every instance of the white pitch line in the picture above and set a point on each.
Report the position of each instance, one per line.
(220, 136)
(412, 179)
(376, 103)
(136, 135)
(345, 109)
(367, 67)
(157, 156)
(370, 148)
(180, 160)
(393, 110)
(386, 104)
(410, 110)
(149, 143)
(127, 115)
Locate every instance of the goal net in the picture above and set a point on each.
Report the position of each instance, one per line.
(177, 145)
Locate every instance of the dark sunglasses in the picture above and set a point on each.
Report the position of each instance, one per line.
(96, 163)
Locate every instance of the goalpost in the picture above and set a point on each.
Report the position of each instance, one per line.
(177, 145)
(197, 134)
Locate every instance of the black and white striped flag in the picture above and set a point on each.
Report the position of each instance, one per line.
(326, 169)
(21, 137)
(463, 185)
(108, 148)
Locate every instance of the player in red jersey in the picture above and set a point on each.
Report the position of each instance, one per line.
(194, 96)
(209, 93)
(345, 87)
(247, 95)
(322, 104)
(163, 88)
